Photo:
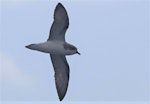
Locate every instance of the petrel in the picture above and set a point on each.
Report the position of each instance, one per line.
(58, 48)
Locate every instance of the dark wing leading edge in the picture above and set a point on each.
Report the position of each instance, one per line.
(61, 69)
(60, 24)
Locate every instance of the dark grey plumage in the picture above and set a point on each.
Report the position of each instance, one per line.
(60, 24)
(61, 75)
(61, 67)
(58, 48)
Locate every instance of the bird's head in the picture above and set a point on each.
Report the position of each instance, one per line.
(71, 49)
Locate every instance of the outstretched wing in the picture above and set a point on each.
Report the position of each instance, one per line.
(60, 24)
(61, 69)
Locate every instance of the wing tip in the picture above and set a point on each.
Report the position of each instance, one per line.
(61, 90)
(61, 94)
(60, 4)
(60, 8)
(61, 98)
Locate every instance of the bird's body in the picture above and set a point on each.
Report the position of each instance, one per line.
(57, 47)
(54, 47)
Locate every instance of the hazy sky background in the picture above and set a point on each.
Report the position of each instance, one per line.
(111, 35)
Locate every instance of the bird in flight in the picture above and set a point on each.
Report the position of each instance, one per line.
(58, 48)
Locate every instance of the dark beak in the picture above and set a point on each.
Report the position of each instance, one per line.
(78, 53)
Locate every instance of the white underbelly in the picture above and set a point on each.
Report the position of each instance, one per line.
(52, 48)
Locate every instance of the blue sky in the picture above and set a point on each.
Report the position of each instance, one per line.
(112, 37)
